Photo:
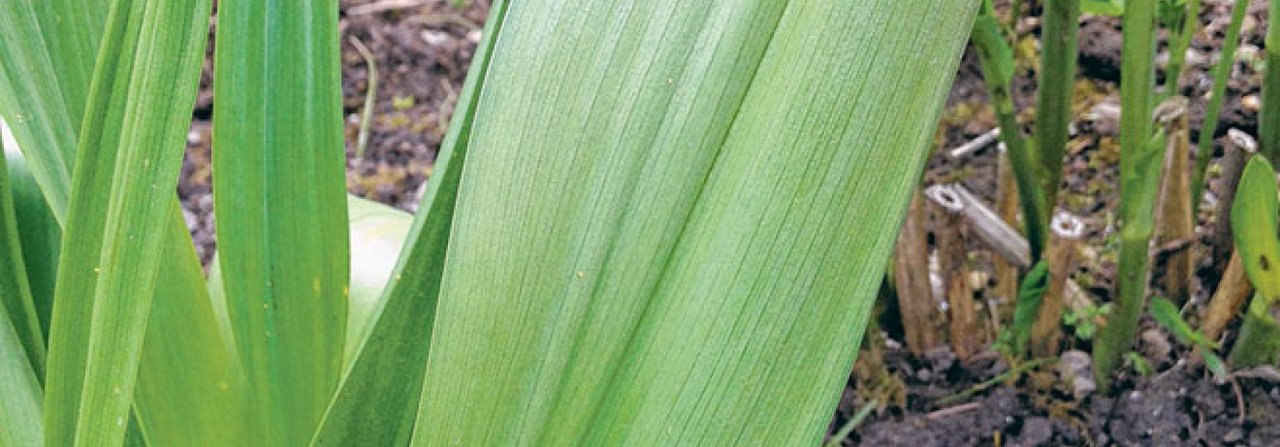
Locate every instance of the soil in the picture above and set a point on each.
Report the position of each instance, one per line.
(422, 53)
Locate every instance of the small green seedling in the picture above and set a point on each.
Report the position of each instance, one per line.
(1168, 317)
(1084, 320)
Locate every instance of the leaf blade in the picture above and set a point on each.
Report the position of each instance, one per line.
(389, 366)
(587, 162)
(279, 188)
(110, 263)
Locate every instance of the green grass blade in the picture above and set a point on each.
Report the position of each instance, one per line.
(1269, 116)
(143, 91)
(1213, 112)
(667, 210)
(40, 236)
(15, 290)
(386, 377)
(20, 403)
(280, 192)
(32, 102)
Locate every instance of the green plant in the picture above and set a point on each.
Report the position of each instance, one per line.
(1181, 17)
(1254, 222)
(1140, 165)
(1213, 112)
(1269, 116)
(996, 58)
(1084, 321)
(612, 249)
(1166, 314)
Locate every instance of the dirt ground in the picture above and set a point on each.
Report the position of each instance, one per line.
(422, 53)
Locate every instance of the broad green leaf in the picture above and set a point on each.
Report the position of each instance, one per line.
(378, 232)
(385, 379)
(674, 217)
(138, 113)
(40, 236)
(1253, 224)
(32, 102)
(20, 403)
(15, 290)
(279, 188)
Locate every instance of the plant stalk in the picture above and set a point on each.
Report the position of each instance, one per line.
(1175, 221)
(996, 58)
(911, 280)
(949, 235)
(1006, 274)
(1061, 22)
(1233, 290)
(1269, 117)
(1178, 45)
(1139, 174)
(1237, 151)
(1221, 75)
(1067, 231)
(1259, 341)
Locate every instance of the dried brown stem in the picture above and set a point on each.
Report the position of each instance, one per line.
(1173, 207)
(1064, 236)
(1006, 273)
(911, 279)
(1229, 300)
(950, 233)
(1237, 150)
(984, 223)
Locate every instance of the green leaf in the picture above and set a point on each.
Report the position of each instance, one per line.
(674, 217)
(1030, 292)
(32, 102)
(1114, 8)
(1254, 222)
(15, 290)
(40, 234)
(20, 403)
(1167, 316)
(280, 191)
(1253, 225)
(385, 378)
(138, 115)
(196, 366)
(71, 30)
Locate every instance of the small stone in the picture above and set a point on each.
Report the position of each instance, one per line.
(1076, 367)
(1036, 431)
(1156, 347)
(1251, 103)
(1236, 434)
(940, 358)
